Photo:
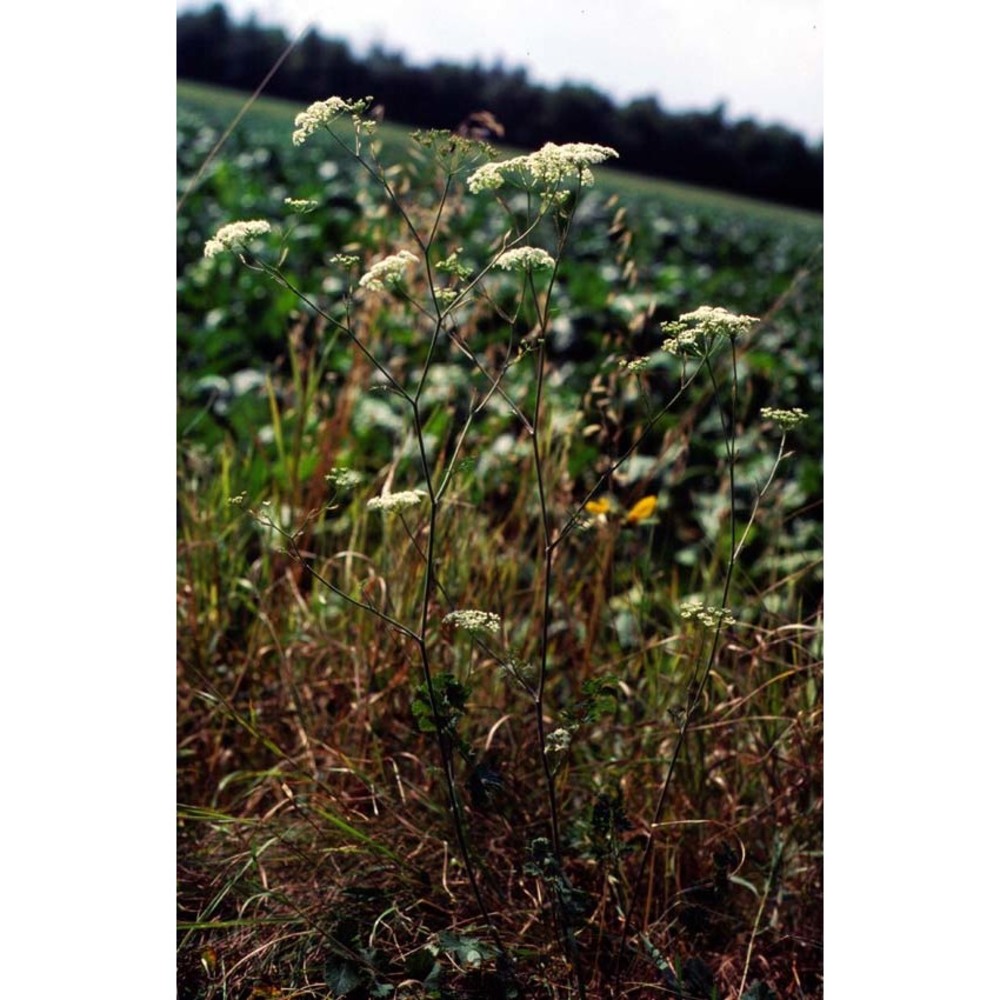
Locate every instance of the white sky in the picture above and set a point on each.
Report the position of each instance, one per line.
(763, 58)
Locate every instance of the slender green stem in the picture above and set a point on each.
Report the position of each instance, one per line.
(623, 458)
(729, 435)
(280, 277)
(541, 310)
(443, 740)
(777, 851)
(296, 553)
(760, 494)
(547, 576)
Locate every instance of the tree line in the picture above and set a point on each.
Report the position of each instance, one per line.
(697, 147)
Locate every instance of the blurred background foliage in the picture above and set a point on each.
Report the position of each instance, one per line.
(705, 148)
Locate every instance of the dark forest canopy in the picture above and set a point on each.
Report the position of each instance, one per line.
(704, 148)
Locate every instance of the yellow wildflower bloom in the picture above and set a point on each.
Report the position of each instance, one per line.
(597, 506)
(641, 510)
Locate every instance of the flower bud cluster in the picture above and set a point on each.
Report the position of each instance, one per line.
(636, 365)
(343, 478)
(452, 265)
(709, 616)
(785, 419)
(302, 205)
(558, 741)
(347, 260)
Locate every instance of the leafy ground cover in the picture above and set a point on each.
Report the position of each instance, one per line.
(317, 852)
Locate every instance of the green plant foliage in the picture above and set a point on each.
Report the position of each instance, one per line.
(600, 698)
(607, 824)
(486, 785)
(440, 713)
(469, 952)
(758, 991)
(343, 977)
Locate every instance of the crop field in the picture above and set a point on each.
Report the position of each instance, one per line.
(500, 591)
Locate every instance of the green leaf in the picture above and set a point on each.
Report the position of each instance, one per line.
(485, 785)
(342, 975)
(421, 965)
(467, 951)
(758, 991)
(737, 880)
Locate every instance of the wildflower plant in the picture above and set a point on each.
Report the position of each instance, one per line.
(425, 305)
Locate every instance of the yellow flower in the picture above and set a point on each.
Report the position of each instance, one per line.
(597, 506)
(641, 510)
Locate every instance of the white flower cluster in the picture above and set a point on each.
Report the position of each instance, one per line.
(317, 115)
(636, 365)
(392, 502)
(552, 162)
(452, 265)
(705, 323)
(236, 233)
(558, 741)
(345, 259)
(557, 745)
(387, 271)
(525, 259)
(342, 478)
(785, 419)
(684, 343)
(546, 167)
(301, 205)
(473, 621)
(708, 615)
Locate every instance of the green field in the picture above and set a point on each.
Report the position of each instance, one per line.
(375, 803)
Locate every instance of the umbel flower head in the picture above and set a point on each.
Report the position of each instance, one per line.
(707, 615)
(546, 168)
(473, 621)
(302, 205)
(387, 271)
(392, 502)
(525, 259)
(558, 741)
(236, 234)
(785, 419)
(323, 112)
(696, 332)
(635, 366)
(342, 478)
